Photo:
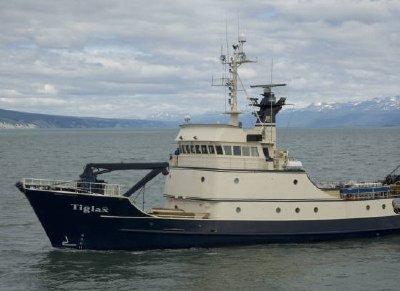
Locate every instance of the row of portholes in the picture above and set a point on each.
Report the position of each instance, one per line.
(278, 210)
(297, 209)
(236, 180)
(369, 207)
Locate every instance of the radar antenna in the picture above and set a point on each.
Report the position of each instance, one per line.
(269, 107)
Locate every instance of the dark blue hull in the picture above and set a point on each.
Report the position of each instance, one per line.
(109, 223)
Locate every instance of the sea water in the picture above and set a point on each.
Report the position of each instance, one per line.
(28, 262)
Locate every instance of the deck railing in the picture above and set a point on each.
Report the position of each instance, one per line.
(78, 187)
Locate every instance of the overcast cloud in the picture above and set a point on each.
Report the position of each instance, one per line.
(136, 58)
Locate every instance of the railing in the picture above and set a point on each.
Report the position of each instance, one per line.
(78, 187)
(329, 185)
(364, 191)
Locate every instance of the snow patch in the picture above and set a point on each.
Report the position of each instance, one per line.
(7, 125)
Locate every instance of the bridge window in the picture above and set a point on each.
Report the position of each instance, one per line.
(228, 150)
(211, 149)
(254, 151)
(245, 151)
(218, 149)
(198, 149)
(237, 151)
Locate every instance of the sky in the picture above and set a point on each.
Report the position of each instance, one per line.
(137, 59)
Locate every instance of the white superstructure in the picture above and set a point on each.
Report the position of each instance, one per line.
(223, 171)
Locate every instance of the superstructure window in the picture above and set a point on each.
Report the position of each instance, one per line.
(198, 149)
(266, 154)
(237, 151)
(228, 150)
(245, 151)
(211, 149)
(254, 152)
(182, 149)
(254, 137)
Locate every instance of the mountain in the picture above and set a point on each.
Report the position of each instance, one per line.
(376, 112)
(375, 104)
(15, 119)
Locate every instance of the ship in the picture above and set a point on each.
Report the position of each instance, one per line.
(225, 185)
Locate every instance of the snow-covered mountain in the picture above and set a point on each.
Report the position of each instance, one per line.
(383, 111)
(375, 104)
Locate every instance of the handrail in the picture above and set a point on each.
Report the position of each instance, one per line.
(72, 186)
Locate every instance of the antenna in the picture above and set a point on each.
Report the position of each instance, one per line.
(238, 30)
(272, 73)
(226, 59)
(272, 68)
(226, 38)
(231, 78)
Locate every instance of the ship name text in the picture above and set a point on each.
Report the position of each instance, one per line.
(89, 208)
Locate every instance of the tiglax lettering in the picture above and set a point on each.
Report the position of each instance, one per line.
(89, 208)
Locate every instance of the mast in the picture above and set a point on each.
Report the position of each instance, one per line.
(238, 58)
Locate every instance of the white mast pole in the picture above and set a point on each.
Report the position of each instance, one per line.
(234, 114)
(236, 60)
(238, 57)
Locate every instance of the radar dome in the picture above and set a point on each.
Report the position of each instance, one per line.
(187, 118)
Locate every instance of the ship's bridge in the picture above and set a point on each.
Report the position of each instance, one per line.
(227, 146)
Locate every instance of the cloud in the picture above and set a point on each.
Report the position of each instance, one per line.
(136, 58)
(48, 89)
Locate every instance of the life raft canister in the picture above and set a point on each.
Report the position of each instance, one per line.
(396, 205)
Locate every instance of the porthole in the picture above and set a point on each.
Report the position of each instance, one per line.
(367, 207)
(202, 179)
(383, 206)
(315, 209)
(295, 181)
(238, 209)
(278, 210)
(297, 210)
(236, 180)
